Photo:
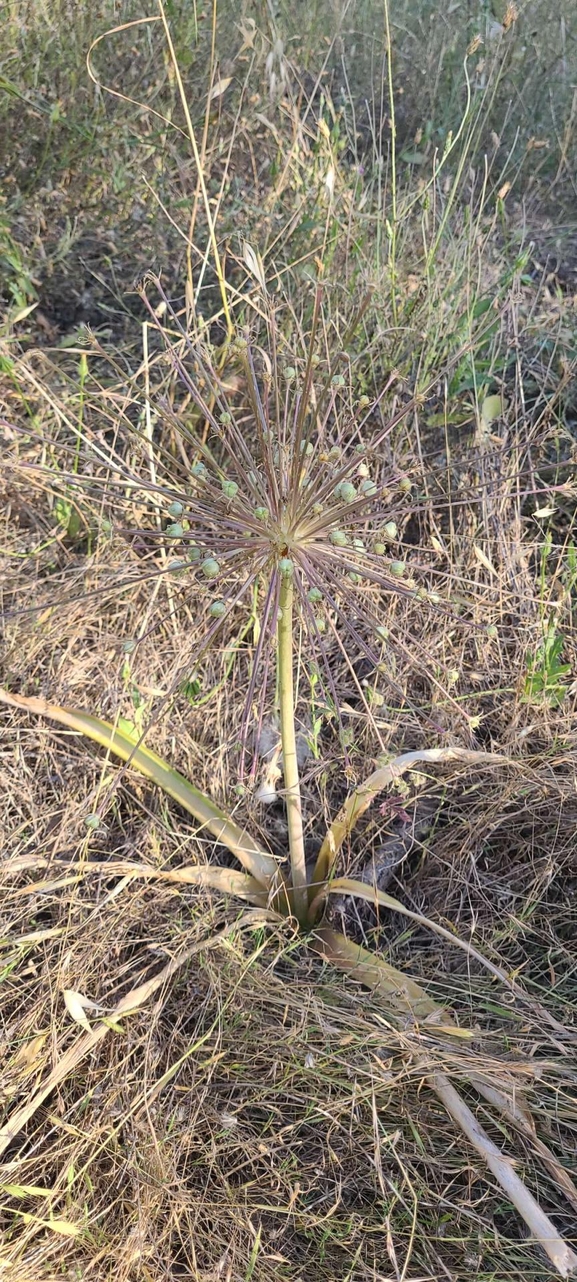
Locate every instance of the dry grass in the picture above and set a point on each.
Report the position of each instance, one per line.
(260, 1116)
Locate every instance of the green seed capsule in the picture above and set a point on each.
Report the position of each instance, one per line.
(199, 471)
(176, 509)
(217, 609)
(210, 568)
(379, 549)
(492, 631)
(397, 568)
(290, 373)
(194, 553)
(338, 538)
(226, 419)
(334, 453)
(434, 598)
(383, 633)
(368, 488)
(405, 485)
(286, 567)
(359, 545)
(353, 576)
(364, 402)
(314, 595)
(229, 489)
(92, 822)
(390, 531)
(261, 513)
(320, 623)
(129, 646)
(318, 509)
(175, 531)
(348, 492)
(177, 563)
(338, 380)
(422, 594)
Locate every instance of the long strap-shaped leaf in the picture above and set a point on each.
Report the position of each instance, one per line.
(359, 800)
(226, 880)
(405, 997)
(123, 744)
(363, 890)
(408, 1000)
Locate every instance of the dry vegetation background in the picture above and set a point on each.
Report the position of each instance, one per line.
(257, 1116)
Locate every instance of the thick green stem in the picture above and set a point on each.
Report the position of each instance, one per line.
(289, 750)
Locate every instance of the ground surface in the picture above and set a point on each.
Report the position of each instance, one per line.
(257, 1115)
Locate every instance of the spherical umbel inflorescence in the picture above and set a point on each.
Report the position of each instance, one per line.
(287, 478)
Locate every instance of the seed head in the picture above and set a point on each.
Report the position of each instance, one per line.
(285, 488)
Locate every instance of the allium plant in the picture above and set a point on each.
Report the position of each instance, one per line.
(289, 492)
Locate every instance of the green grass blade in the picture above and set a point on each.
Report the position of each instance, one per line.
(124, 744)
